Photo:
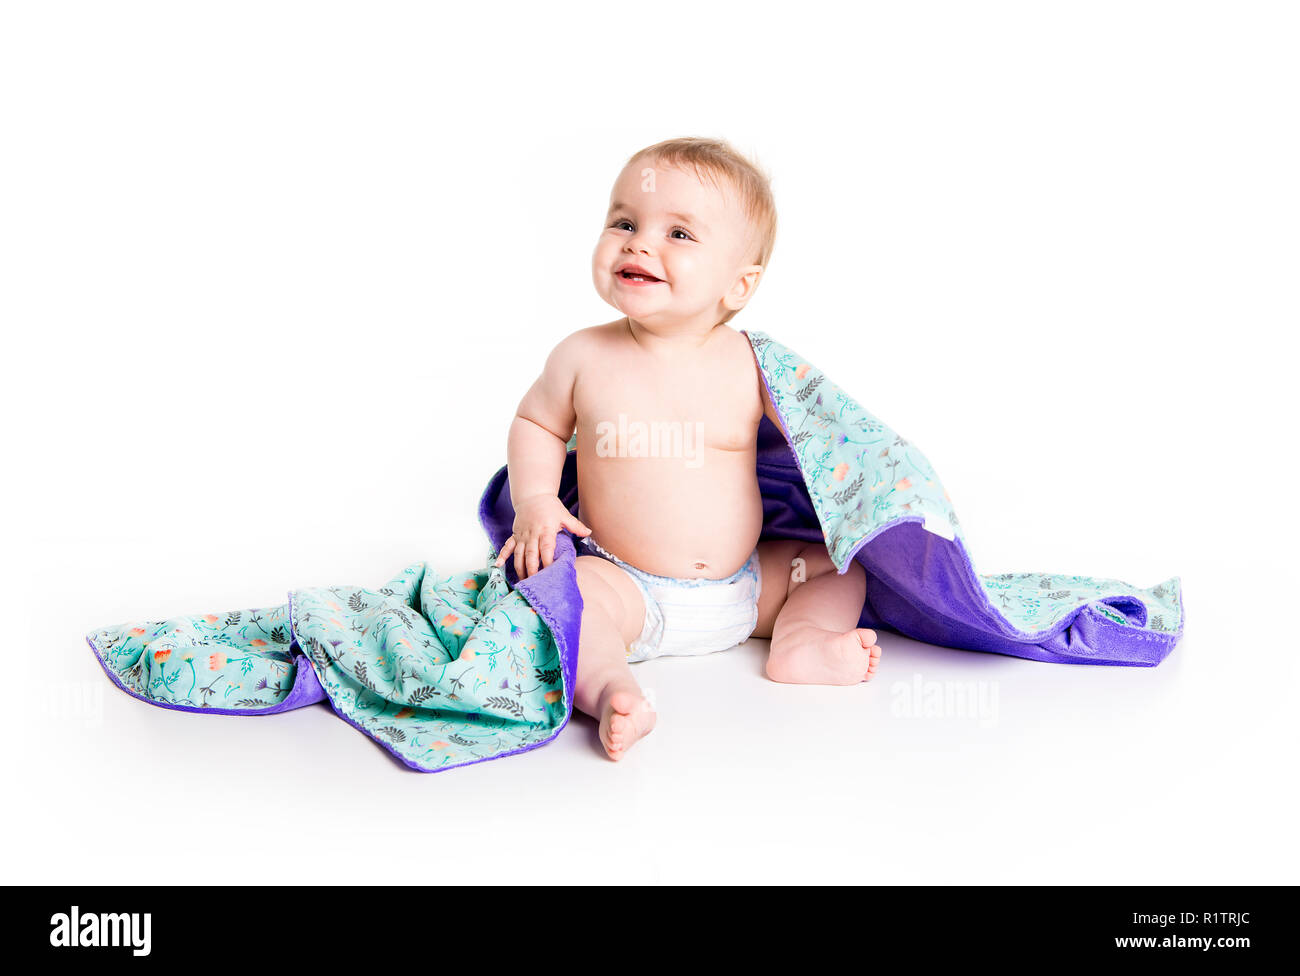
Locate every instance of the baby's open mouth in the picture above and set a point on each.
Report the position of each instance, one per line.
(637, 276)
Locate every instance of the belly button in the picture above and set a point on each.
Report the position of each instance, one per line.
(700, 565)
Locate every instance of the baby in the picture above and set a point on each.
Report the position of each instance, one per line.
(669, 560)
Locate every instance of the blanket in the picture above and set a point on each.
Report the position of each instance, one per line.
(448, 670)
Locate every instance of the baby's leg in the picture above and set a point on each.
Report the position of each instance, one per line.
(612, 616)
(811, 614)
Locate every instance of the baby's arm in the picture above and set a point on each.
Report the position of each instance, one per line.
(535, 452)
(769, 411)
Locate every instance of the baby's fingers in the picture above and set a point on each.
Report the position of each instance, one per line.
(506, 550)
(571, 523)
(519, 560)
(546, 549)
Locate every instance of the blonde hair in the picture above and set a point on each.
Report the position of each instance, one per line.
(714, 159)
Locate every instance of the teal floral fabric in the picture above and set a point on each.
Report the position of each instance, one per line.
(863, 478)
(237, 660)
(445, 670)
(441, 670)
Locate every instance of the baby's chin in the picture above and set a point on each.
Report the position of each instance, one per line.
(656, 308)
(642, 305)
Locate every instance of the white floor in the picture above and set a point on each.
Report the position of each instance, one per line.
(1179, 774)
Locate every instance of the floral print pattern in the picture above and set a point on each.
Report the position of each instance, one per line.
(239, 660)
(440, 670)
(443, 670)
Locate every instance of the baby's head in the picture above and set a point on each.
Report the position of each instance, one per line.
(697, 216)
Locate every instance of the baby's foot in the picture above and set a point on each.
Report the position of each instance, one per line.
(625, 718)
(812, 656)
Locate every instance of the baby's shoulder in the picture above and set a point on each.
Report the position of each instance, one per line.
(731, 340)
(733, 348)
(594, 335)
(577, 347)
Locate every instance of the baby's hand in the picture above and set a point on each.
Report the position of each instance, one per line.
(537, 520)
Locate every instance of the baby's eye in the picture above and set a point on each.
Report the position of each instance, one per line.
(620, 223)
(683, 231)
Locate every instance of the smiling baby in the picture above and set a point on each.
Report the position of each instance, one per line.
(666, 401)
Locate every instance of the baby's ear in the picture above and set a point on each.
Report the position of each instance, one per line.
(743, 289)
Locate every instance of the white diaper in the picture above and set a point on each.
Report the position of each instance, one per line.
(691, 616)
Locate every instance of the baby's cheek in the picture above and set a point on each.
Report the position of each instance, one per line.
(686, 269)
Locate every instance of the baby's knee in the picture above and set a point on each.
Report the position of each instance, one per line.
(593, 585)
(589, 573)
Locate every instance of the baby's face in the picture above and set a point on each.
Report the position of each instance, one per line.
(690, 236)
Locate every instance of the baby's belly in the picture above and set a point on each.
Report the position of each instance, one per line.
(672, 520)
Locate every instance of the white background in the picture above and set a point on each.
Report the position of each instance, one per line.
(275, 275)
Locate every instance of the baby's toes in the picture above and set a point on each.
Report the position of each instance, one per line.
(617, 728)
(608, 738)
(868, 638)
(873, 661)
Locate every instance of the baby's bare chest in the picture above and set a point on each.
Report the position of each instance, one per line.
(630, 408)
